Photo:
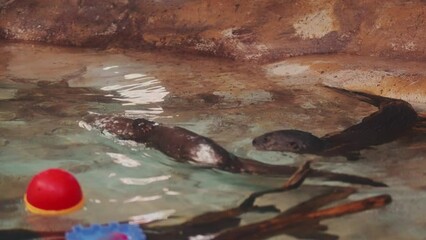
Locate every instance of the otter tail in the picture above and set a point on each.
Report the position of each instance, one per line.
(365, 97)
(255, 167)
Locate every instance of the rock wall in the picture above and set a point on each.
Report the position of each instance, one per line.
(261, 30)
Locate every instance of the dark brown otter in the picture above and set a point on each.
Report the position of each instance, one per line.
(394, 118)
(189, 147)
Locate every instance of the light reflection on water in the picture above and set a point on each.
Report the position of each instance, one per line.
(139, 90)
(140, 93)
(145, 90)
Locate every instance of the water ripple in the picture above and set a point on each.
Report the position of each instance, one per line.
(142, 89)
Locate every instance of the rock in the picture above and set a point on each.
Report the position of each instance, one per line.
(264, 30)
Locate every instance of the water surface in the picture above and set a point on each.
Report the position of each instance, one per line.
(45, 92)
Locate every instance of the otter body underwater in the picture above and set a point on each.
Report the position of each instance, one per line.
(185, 146)
(393, 119)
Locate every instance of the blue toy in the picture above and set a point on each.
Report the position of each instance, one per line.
(112, 231)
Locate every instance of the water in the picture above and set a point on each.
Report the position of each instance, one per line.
(45, 91)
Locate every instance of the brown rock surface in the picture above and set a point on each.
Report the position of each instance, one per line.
(256, 30)
(392, 78)
(393, 29)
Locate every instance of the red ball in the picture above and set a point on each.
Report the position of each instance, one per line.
(53, 191)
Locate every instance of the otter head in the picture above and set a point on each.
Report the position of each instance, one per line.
(142, 128)
(289, 141)
(121, 127)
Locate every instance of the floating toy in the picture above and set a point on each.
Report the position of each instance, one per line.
(112, 231)
(53, 192)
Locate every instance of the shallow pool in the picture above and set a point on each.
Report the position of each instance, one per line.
(45, 92)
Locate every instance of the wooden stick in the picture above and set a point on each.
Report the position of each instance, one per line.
(333, 195)
(209, 223)
(312, 229)
(283, 221)
(292, 183)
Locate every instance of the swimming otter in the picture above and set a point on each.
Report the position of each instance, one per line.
(394, 118)
(186, 146)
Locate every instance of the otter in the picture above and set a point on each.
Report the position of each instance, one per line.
(394, 118)
(185, 146)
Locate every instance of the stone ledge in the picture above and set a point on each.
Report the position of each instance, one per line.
(264, 31)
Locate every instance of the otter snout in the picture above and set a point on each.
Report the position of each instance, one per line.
(260, 143)
(288, 141)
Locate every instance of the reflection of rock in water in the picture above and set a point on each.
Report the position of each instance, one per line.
(49, 224)
(193, 102)
(3, 142)
(12, 192)
(219, 99)
(12, 186)
(9, 207)
(56, 99)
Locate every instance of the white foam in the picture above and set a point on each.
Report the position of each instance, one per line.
(151, 217)
(168, 192)
(133, 75)
(84, 125)
(123, 160)
(142, 199)
(144, 181)
(110, 67)
(202, 237)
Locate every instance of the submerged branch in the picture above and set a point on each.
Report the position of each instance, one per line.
(292, 183)
(278, 224)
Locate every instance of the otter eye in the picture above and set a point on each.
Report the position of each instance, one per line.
(262, 140)
(140, 122)
(294, 146)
